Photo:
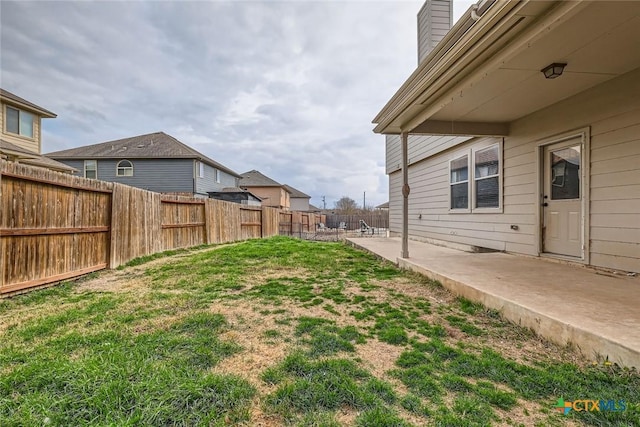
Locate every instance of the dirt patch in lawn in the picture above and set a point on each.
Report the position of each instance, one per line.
(379, 357)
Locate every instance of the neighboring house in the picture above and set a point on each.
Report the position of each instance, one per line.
(299, 200)
(550, 94)
(383, 207)
(314, 209)
(21, 138)
(236, 195)
(271, 193)
(156, 162)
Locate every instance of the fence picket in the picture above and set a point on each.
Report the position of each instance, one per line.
(55, 226)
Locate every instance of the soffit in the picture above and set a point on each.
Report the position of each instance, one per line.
(598, 44)
(490, 84)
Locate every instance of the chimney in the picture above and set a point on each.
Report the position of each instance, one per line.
(434, 21)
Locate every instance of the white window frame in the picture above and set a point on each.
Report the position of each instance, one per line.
(199, 169)
(481, 147)
(457, 156)
(86, 163)
(20, 113)
(216, 173)
(470, 152)
(124, 169)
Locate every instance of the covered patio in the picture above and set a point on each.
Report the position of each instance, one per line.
(594, 310)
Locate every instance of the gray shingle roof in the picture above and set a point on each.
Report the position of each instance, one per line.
(15, 99)
(156, 145)
(253, 178)
(296, 193)
(28, 157)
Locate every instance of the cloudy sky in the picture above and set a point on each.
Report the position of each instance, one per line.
(285, 87)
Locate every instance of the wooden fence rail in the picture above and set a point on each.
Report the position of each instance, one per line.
(55, 226)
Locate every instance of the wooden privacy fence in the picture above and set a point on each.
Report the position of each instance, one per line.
(55, 226)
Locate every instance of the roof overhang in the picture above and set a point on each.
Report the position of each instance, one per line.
(23, 104)
(486, 73)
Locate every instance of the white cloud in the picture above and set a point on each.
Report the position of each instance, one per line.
(288, 88)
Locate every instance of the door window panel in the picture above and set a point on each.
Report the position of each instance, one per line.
(565, 173)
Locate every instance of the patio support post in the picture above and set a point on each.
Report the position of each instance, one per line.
(405, 196)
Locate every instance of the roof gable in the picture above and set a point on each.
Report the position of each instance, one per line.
(295, 193)
(156, 145)
(10, 98)
(254, 178)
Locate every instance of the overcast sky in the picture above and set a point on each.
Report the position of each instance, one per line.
(287, 88)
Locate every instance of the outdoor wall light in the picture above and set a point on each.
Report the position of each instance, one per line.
(553, 70)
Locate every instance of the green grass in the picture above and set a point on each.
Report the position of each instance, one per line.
(152, 378)
(324, 338)
(307, 386)
(153, 356)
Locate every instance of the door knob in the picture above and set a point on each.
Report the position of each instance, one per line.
(545, 204)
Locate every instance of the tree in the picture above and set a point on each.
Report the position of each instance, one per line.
(346, 206)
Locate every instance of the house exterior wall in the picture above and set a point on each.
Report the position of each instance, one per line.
(32, 144)
(611, 112)
(275, 197)
(299, 204)
(208, 182)
(419, 147)
(160, 175)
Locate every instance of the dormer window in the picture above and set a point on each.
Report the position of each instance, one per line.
(19, 122)
(124, 168)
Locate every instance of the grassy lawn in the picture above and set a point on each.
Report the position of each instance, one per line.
(284, 332)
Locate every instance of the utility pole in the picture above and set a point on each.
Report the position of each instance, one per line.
(364, 200)
(324, 203)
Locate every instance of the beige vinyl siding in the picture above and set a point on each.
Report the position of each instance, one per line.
(419, 147)
(434, 21)
(430, 218)
(395, 202)
(615, 196)
(393, 153)
(612, 113)
(34, 144)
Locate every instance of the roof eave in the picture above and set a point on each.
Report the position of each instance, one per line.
(461, 39)
(39, 111)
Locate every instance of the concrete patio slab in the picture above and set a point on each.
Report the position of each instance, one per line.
(598, 312)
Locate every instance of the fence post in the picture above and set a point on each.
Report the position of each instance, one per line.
(114, 226)
(207, 231)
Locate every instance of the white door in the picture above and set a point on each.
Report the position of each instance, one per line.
(562, 200)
